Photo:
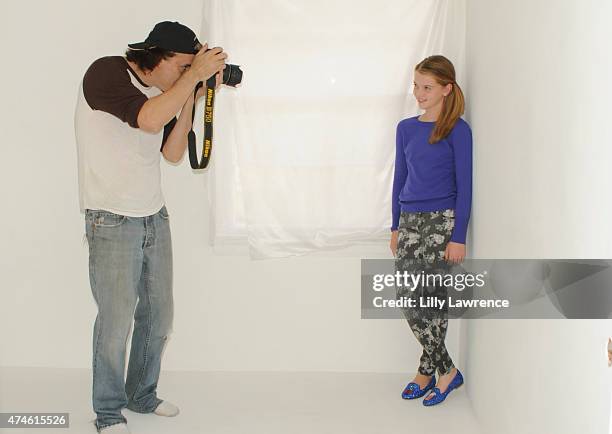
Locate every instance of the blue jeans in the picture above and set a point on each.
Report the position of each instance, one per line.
(130, 272)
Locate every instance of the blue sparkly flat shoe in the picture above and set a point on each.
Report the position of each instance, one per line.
(413, 390)
(439, 396)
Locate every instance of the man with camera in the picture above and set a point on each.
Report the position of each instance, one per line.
(125, 118)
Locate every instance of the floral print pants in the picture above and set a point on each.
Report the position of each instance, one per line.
(422, 240)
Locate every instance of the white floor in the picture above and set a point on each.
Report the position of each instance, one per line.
(241, 402)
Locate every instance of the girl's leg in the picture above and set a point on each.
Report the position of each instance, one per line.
(436, 232)
(421, 244)
(410, 249)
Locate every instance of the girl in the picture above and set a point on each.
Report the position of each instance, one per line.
(432, 195)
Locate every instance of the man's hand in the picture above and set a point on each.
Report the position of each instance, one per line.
(455, 252)
(206, 63)
(202, 90)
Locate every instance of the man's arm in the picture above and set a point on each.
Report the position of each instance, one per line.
(176, 143)
(159, 110)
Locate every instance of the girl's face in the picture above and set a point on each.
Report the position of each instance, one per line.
(428, 92)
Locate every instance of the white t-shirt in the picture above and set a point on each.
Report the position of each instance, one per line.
(119, 164)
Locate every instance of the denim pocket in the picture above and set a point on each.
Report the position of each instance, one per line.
(163, 213)
(106, 219)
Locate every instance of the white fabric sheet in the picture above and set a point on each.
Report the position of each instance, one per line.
(304, 149)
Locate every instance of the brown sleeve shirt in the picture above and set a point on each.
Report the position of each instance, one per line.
(107, 87)
(119, 163)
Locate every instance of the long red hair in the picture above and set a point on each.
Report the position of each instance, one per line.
(453, 105)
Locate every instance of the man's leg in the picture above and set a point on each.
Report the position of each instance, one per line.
(154, 315)
(115, 264)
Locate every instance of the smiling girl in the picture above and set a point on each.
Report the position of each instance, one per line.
(431, 202)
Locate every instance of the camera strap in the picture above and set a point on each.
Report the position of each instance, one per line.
(208, 126)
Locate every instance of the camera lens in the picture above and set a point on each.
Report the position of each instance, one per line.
(232, 75)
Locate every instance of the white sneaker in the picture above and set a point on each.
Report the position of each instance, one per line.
(118, 428)
(166, 409)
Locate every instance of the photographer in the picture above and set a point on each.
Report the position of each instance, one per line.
(125, 115)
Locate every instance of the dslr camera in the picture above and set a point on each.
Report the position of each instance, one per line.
(232, 76)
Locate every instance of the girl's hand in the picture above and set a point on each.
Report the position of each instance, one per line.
(455, 252)
(393, 243)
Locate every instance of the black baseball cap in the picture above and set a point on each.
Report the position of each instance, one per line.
(171, 36)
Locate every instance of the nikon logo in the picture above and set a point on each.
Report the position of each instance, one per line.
(207, 146)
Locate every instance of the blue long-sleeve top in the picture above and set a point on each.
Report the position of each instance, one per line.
(433, 177)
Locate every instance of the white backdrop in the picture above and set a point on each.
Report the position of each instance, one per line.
(307, 153)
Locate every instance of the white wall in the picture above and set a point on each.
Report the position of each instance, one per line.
(231, 313)
(539, 97)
